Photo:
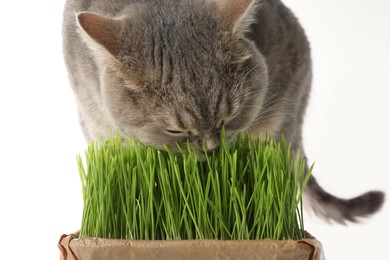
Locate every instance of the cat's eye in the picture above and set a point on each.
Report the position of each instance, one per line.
(218, 131)
(174, 132)
(181, 133)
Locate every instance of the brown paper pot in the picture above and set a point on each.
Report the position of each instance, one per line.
(73, 248)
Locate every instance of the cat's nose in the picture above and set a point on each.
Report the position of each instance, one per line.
(210, 151)
(212, 144)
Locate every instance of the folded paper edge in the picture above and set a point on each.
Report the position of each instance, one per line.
(66, 252)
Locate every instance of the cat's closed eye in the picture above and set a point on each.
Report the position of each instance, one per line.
(175, 132)
(183, 134)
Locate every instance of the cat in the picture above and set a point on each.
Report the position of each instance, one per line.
(172, 71)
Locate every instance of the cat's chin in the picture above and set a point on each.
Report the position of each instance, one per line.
(201, 156)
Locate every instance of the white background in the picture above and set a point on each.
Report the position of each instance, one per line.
(346, 129)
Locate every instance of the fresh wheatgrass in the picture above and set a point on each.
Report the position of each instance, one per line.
(250, 190)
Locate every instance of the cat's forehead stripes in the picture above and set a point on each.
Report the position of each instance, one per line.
(197, 118)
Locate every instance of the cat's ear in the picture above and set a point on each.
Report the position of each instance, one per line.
(100, 31)
(238, 15)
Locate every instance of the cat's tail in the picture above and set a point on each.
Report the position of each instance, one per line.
(340, 210)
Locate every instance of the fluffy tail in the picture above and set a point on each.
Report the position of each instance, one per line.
(339, 210)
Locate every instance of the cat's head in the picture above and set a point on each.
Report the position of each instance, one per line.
(173, 71)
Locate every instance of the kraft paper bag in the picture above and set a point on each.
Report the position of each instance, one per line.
(74, 248)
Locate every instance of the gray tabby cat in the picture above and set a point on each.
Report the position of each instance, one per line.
(168, 71)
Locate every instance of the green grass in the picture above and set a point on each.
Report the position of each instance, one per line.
(251, 190)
